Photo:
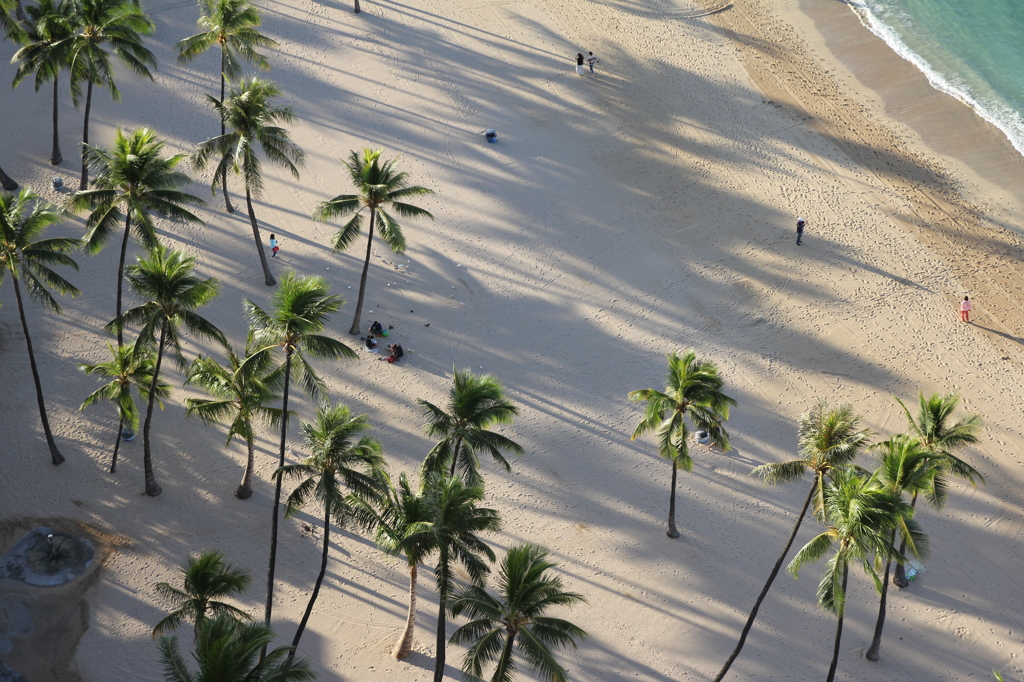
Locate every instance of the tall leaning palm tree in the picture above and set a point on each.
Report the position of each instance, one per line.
(905, 467)
(134, 182)
(380, 187)
(252, 117)
(938, 432)
(343, 458)
(233, 26)
(23, 218)
(829, 439)
(475, 404)
(241, 388)
(693, 390)
(859, 516)
(452, 532)
(517, 616)
(229, 651)
(44, 55)
(126, 370)
(206, 579)
(390, 516)
(102, 25)
(299, 314)
(172, 293)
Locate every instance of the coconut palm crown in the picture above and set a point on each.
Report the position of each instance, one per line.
(28, 260)
(380, 187)
(693, 391)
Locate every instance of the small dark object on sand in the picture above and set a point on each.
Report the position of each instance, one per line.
(427, 324)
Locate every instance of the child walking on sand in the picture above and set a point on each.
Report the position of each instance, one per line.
(965, 309)
(273, 246)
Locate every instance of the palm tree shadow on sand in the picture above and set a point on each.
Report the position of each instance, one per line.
(421, 660)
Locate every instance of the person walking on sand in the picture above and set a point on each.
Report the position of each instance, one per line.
(273, 246)
(965, 309)
(579, 63)
(591, 60)
(799, 230)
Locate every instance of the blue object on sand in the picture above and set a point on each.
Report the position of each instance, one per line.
(491, 134)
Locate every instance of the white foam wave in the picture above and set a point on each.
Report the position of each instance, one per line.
(998, 113)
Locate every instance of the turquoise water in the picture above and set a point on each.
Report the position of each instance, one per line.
(970, 49)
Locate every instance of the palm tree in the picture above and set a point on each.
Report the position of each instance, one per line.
(49, 24)
(342, 458)
(694, 390)
(517, 617)
(252, 118)
(390, 516)
(134, 182)
(29, 261)
(380, 186)
(241, 389)
(475, 404)
(451, 532)
(126, 369)
(232, 26)
(933, 428)
(829, 439)
(229, 651)
(300, 311)
(205, 579)
(859, 516)
(8, 23)
(171, 293)
(119, 25)
(906, 466)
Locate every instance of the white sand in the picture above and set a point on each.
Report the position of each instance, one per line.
(618, 218)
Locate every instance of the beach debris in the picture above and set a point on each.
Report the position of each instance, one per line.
(427, 324)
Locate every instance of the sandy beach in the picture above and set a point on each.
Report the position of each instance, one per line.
(647, 209)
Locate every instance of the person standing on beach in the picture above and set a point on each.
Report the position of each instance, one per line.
(273, 246)
(579, 63)
(965, 309)
(591, 60)
(799, 230)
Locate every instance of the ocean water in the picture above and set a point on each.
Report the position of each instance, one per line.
(970, 49)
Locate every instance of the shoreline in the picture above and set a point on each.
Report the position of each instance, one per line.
(978, 154)
(647, 209)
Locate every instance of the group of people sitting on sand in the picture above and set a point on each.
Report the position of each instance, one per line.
(377, 331)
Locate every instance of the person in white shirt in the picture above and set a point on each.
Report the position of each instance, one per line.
(591, 60)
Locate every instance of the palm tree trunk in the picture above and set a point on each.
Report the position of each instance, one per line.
(277, 495)
(355, 7)
(152, 489)
(876, 641)
(455, 455)
(7, 182)
(55, 156)
(83, 184)
(117, 445)
(55, 455)
(244, 491)
(442, 602)
(224, 176)
(839, 628)
(120, 276)
(267, 277)
(362, 280)
(899, 576)
(764, 591)
(319, 581)
(502, 671)
(404, 645)
(672, 532)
